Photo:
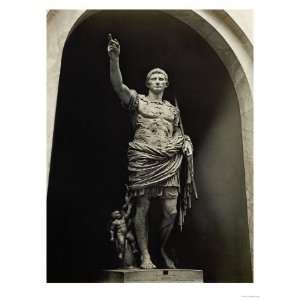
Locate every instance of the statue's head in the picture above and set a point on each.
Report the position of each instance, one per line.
(116, 214)
(157, 80)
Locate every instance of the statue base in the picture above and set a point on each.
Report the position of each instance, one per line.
(151, 275)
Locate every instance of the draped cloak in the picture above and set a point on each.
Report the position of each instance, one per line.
(149, 165)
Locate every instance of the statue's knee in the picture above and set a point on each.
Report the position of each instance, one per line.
(170, 200)
(171, 193)
(172, 211)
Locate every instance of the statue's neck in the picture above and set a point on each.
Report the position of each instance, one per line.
(155, 97)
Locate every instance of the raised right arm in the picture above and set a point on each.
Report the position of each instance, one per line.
(119, 87)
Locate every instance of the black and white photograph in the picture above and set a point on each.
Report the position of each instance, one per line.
(150, 146)
(149, 150)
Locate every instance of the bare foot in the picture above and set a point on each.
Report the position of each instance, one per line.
(168, 261)
(147, 263)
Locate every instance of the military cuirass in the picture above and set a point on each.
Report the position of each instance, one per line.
(155, 122)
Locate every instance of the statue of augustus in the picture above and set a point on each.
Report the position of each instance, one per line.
(154, 155)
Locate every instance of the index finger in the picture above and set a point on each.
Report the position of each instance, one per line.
(109, 37)
(114, 42)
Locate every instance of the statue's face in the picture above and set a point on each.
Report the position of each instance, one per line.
(157, 83)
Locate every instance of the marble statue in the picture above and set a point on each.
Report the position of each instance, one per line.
(122, 236)
(155, 156)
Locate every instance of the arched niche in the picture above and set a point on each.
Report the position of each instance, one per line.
(223, 152)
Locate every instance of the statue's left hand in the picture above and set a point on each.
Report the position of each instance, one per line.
(187, 147)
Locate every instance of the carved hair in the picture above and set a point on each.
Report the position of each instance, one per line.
(155, 71)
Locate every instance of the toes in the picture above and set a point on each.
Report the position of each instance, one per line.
(147, 265)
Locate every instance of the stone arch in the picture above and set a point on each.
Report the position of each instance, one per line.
(216, 27)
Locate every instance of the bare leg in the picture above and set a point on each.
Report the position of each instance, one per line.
(169, 203)
(141, 230)
(121, 243)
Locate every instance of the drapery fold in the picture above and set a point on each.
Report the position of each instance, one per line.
(149, 165)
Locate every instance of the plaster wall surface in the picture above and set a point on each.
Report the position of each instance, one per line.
(244, 18)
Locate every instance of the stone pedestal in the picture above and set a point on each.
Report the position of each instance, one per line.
(151, 275)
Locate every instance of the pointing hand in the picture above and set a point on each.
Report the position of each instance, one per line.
(113, 47)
